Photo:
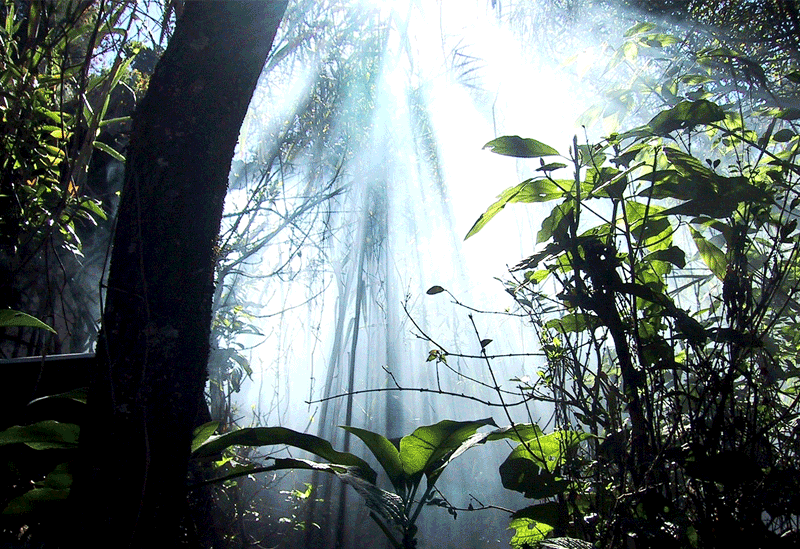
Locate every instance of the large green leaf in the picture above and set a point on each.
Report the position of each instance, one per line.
(705, 191)
(556, 224)
(387, 454)
(526, 477)
(387, 504)
(517, 432)
(528, 533)
(519, 147)
(548, 451)
(429, 449)
(76, 395)
(573, 322)
(530, 190)
(53, 489)
(9, 318)
(533, 524)
(203, 433)
(267, 436)
(44, 435)
(673, 255)
(712, 256)
(607, 182)
(686, 115)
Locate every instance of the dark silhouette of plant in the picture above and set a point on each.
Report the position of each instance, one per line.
(663, 296)
(425, 453)
(70, 79)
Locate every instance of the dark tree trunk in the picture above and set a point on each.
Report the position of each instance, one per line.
(146, 390)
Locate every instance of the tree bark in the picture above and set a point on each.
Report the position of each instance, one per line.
(147, 387)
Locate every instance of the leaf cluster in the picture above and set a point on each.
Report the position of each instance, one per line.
(662, 286)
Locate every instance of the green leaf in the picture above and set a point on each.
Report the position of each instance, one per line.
(686, 115)
(673, 255)
(387, 504)
(99, 145)
(203, 433)
(712, 256)
(266, 436)
(528, 533)
(531, 467)
(517, 432)
(551, 167)
(514, 145)
(783, 135)
(639, 28)
(95, 208)
(556, 224)
(607, 182)
(591, 155)
(429, 449)
(526, 477)
(120, 120)
(573, 322)
(241, 361)
(567, 543)
(76, 395)
(9, 318)
(387, 454)
(44, 435)
(280, 464)
(530, 190)
(37, 500)
(546, 513)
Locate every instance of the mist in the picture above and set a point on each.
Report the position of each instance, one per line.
(340, 327)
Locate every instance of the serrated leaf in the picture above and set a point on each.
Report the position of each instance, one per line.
(519, 147)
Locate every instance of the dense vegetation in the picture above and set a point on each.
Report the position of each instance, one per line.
(662, 287)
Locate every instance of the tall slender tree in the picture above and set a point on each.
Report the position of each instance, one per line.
(147, 387)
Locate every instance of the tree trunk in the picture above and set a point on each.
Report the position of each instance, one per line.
(147, 388)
